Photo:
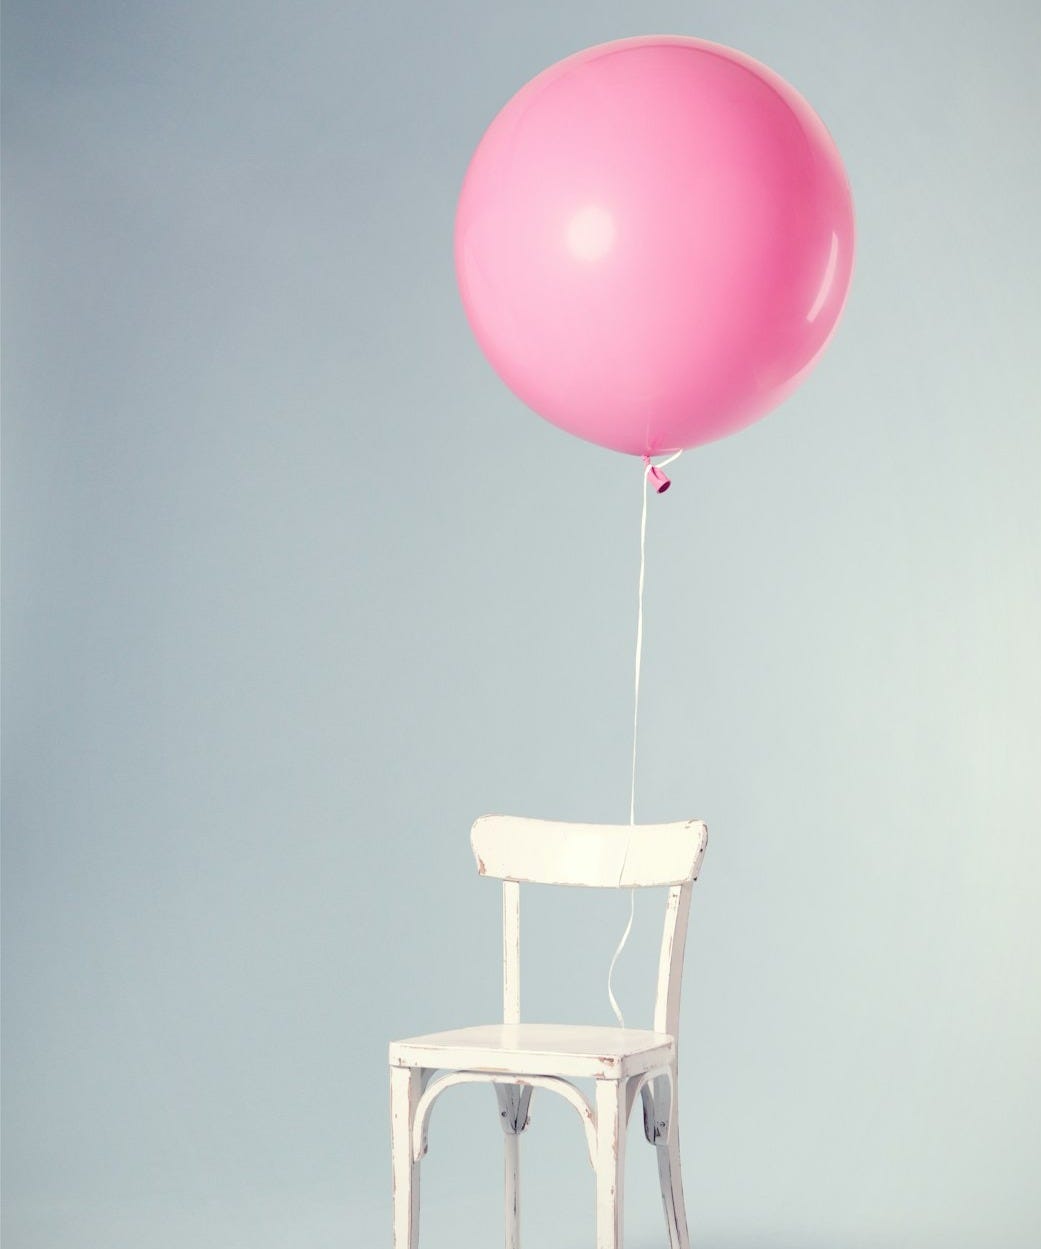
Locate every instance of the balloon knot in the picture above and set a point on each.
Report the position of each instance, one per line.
(657, 478)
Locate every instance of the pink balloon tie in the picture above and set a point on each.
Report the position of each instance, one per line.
(658, 480)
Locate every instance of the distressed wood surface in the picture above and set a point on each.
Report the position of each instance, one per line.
(610, 1162)
(405, 1086)
(538, 1049)
(671, 1181)
(514, 1100)
(643, 1086)
(604, 856)
(511, 1191)
(510, 951)
(555, 1084)
(515, 1057)
(670, 961)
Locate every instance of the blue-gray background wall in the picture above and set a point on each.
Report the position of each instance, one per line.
(294, 589)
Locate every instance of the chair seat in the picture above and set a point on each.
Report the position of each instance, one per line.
(538, 1049)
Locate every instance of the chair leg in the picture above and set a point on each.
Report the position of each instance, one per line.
(514, 1101)
(512, 1191)
(406, 1085)
(669, 1173)
(610, 1162)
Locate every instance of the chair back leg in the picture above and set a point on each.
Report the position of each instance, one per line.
(511, 1190)
(514, 1100)
(406, 1087)
(672, 1192)
(669, 1174)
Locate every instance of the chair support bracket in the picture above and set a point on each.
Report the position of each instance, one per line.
(514, 1100)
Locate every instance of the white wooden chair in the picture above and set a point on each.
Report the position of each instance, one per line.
(516, 1058)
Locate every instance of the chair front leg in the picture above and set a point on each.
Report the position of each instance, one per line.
(610, 1161)
(406, 1086)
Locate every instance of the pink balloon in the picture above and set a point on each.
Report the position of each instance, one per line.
(654, 242)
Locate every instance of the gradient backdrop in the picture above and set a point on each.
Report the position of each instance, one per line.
(295, 589)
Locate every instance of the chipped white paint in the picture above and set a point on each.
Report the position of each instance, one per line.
(671, 1181)
(605, 856)
(516, 1058)
(514, 1100)
(511, 1190)
(642, 1086)
(670, 961)
(537, 1048)
(405, 1085)
(610, 1162)
(510, 952)
(554, 1084)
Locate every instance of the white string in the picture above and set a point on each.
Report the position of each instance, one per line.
(636, 720)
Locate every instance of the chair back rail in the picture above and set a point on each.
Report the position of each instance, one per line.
(606, 856)
(600, 856)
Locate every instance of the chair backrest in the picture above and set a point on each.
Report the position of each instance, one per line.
(604, 856)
